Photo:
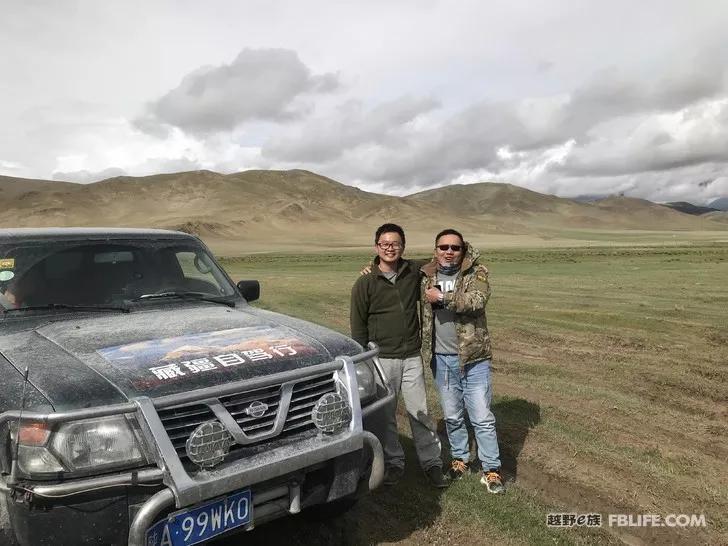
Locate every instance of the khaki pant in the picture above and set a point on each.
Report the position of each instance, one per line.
(407, 376)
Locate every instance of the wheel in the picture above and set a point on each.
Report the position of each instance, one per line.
(7, 536)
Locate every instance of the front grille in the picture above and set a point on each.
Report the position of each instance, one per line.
(180, 421)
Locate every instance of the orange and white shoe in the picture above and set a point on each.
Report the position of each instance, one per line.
(493, 481)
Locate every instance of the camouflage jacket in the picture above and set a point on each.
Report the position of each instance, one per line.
(468, 301)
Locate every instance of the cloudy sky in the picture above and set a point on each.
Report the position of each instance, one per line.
(563, 97)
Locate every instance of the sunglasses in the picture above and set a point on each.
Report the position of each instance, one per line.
(454, 248)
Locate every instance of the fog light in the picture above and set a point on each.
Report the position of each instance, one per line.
(209, 444)
(331, 413)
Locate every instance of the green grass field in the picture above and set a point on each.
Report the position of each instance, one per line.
(611, 382)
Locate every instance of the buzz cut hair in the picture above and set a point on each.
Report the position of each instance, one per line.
(389, 228)
(450, 231)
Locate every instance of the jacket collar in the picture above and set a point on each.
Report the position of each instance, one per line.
(402, 265)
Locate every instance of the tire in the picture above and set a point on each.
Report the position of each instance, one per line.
(7, 535)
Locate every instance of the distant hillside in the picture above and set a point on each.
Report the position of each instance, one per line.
(589, 197)
(12, 188)
(689, 208)
(526, 207)
(260, 206)
(717, 216)
(300, 209)
(720, 204)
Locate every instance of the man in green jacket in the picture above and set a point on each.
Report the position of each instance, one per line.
(455, 342)
(384, 310)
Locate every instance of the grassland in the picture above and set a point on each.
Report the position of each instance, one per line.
(611, 376)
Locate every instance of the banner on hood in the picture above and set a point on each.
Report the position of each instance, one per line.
(170, 359)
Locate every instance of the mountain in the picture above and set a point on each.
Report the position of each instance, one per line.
(689, 208)
(513, 204)
(262, 210)
(720, 203)
(717, 216)
(589, 197)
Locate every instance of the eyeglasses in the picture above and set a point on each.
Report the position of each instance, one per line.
(454, 248)
(393, 246)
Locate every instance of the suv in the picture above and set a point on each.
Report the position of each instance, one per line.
(145, 402)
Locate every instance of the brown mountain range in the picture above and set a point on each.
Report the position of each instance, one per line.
(288, 209)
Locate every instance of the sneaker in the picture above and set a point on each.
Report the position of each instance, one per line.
(436, 477)
(458, 469)
(392, 475)
(492, 480)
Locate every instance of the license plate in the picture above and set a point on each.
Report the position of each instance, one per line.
(202, 522)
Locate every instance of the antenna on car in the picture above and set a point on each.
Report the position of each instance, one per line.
(14, 467)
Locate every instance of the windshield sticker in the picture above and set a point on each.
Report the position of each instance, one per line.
(171, 359)
(7, 263)
(6, 275)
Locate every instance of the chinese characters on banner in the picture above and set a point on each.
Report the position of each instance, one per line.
(175, 370)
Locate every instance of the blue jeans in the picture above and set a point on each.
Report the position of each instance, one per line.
(467, 389)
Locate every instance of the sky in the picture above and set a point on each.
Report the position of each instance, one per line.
(570, 98)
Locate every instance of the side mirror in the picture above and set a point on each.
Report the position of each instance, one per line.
(249, 289)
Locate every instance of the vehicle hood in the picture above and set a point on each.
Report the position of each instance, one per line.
(86, 361)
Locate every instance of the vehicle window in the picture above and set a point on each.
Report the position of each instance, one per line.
(198, 271)
(103, 273)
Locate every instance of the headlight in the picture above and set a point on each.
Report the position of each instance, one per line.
(97, 443)
(366, 380)
(37, 460)
(82, 446)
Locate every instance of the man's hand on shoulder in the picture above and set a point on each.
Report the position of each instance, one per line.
(481, 278)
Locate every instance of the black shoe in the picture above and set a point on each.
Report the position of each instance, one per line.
(392, 475)
(436, 477)
(458, 469)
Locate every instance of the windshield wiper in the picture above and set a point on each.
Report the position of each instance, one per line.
(70, 307)
(198, 296)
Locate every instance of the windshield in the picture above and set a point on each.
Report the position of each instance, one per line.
(105, 273)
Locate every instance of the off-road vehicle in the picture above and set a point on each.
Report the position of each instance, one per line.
(143, 401)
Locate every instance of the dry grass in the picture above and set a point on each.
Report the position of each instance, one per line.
(610, 371)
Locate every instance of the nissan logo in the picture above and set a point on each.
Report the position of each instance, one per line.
(256, 409)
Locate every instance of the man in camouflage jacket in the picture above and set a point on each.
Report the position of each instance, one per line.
(468, 300)
(454, 290)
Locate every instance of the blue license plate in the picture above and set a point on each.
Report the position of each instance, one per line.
(202, 522)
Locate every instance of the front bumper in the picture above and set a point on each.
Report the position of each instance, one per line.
(291, 476)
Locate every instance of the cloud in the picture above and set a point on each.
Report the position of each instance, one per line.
(431, 100)
(615, 126)
(613, 93)
(9, 166)
(154, 165)
(659, 142)
(350, 126)
(260, 84)
(87, 177)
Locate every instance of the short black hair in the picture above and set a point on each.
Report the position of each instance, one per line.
(450, 231)
(389, 228)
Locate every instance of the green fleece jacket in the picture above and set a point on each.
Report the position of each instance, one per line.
(387, 313)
